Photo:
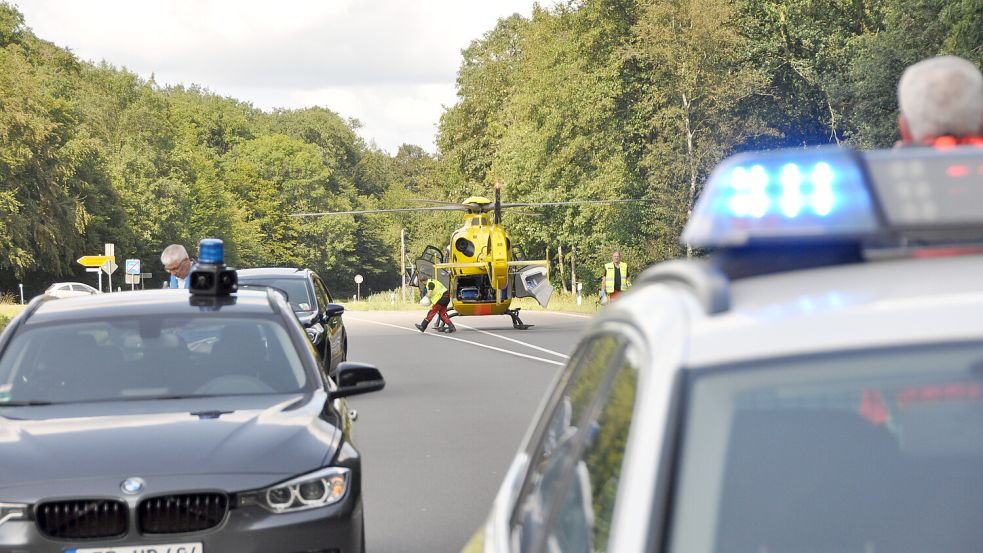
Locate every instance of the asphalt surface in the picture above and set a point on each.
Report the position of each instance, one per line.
(438, 440)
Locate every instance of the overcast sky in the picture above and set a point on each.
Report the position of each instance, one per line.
(389, 63)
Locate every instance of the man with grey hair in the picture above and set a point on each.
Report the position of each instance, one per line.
(176, 261)
(941, 102)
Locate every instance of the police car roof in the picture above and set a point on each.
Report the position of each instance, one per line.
(142, 302)
(866, 305)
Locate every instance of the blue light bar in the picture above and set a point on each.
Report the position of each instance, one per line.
(783, 195)
(211, 251)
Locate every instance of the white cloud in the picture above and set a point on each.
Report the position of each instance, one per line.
(389, 63)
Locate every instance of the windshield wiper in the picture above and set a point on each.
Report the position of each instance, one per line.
(27, 403)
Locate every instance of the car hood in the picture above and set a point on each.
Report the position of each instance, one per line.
(207, 441)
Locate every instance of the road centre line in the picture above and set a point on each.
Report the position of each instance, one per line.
(528, 345)
(479, 344)
(564, 314)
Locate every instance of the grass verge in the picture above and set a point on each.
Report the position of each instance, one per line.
(8, 312)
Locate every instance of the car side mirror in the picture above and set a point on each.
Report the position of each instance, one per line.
(357, 378)
(333, 310)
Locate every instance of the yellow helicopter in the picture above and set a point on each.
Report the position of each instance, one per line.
(482, 269)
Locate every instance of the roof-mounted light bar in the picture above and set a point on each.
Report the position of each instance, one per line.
(784, 195)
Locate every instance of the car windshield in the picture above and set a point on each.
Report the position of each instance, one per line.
(296, 289)
(853, 452)
(149, 358)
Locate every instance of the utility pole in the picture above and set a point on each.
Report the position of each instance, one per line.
(402, 262)
(573, 268)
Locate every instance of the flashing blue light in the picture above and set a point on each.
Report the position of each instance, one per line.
(823, 197)
(791, 200)
(211, 251)
(783, 194)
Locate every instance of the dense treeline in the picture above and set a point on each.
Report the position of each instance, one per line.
(589, 99)
(94, 154)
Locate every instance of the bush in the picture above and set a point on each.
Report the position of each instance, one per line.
(4, 320)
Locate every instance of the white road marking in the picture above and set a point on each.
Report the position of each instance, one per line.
(564, 314)
(479, 344)
(528, 345)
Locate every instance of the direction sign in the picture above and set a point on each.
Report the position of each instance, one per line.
(93, 260)
(133, 266)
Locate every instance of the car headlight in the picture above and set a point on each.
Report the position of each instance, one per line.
(314, 332)
(318, 489)
(12, 511)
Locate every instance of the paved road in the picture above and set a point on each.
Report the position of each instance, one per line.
(437, 441)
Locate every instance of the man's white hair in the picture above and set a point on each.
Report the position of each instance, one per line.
(173, 254)
(942, 96)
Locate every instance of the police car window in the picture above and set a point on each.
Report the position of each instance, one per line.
(559, 436)
(875, 451)
(583, 518)
(149, 357)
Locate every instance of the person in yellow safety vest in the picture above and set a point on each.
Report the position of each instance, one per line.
(439, 299)
(615, 277)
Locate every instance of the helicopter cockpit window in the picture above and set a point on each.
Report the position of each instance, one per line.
(464, 246)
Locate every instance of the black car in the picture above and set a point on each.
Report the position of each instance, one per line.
(310, 300)
(163, 421)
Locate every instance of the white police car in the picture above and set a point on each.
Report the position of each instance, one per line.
(814, 385)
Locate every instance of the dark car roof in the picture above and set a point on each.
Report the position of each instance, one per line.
(279, 272)
(142, 302)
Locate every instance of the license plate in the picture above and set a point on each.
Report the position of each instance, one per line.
(166, 548)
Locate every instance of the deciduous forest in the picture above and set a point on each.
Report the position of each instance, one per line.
(589, 99)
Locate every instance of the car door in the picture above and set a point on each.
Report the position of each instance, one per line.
(333, 326)
(567, 498)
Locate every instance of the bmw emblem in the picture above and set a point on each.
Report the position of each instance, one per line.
(132, 486)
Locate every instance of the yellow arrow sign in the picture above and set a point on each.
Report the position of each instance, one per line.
(94, 260)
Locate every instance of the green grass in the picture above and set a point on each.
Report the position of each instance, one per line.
(383, 301)
(10, 310)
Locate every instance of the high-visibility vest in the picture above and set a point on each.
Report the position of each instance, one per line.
(609, 277)
(435, 290)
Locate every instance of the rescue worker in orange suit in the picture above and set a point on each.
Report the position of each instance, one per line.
(439, 298)
(940, 103)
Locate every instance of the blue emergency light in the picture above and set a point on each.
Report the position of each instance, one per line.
(781, 195)
(211, 277)
(211, 251)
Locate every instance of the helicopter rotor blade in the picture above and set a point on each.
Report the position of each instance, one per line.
(436, 202)
(579, 202)
(456, 207)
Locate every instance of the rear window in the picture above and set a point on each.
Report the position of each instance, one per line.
(296, 289)
(855, 452)
(149, 357)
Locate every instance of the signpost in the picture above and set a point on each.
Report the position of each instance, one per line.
(96, 270)
(94, 264)
(358, 289)
(132, 272)
(110, 266)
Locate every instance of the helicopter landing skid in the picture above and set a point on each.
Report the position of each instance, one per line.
(516, 321)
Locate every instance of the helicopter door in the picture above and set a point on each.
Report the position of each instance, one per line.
(424, 264)
(532, 282)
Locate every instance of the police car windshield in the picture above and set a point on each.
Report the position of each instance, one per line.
(876, 451)
(130, 358)
(296, 289)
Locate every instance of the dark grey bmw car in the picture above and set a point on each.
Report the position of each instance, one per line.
(158, 422)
